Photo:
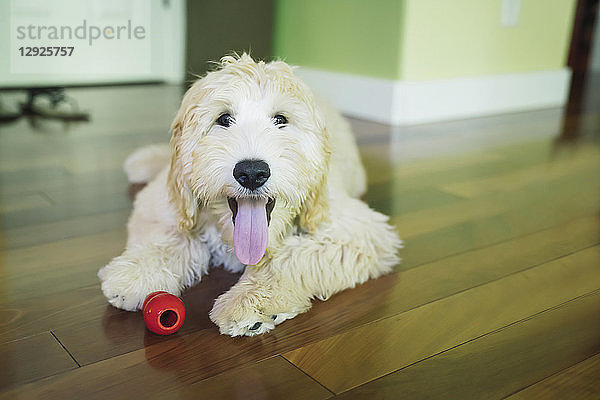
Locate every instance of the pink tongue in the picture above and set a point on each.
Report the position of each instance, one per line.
(250, 230)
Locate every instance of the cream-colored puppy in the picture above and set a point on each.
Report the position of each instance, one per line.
(260, 175)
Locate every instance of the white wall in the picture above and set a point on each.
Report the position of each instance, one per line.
(158, 57)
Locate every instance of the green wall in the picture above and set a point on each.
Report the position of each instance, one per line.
(465, 38)
(422, 39)
(352, 36)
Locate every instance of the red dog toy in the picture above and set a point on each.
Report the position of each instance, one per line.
(163, 313)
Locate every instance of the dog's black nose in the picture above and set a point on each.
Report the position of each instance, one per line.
(251, 174)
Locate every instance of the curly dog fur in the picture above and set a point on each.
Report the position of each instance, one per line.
(321, 238)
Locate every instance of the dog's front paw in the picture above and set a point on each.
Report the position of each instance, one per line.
(246, 314)
(240, 316)
(126, 283)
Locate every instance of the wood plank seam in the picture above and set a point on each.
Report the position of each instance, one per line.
(549, 377)
(434, 300)
(91, 286)
(47, 198)
(304, 373)
(584, 215)
(409, 309)
(65, 349)
(486, 334)
(9, 234)
(596, 243)
(328, 347)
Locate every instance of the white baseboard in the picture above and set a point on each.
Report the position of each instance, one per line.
(416, 102)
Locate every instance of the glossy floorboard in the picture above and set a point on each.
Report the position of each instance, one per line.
(497, 295)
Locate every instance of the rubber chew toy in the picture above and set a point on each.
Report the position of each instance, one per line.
(163, 313)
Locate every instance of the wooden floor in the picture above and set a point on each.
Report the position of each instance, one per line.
(498, 294)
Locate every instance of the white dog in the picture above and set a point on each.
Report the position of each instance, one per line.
(260, 175)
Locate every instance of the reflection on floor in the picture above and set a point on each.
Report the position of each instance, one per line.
(497, 295)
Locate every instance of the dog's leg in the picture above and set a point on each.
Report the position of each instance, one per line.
(157, 256)
(170, 265)
(356, 245)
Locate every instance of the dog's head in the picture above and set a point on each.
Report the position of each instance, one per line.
(249, 150)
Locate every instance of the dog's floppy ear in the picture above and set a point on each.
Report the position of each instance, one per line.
(315, 209)
(186, 204)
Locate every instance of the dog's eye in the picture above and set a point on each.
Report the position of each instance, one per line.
(225, 120)
(280, 120)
